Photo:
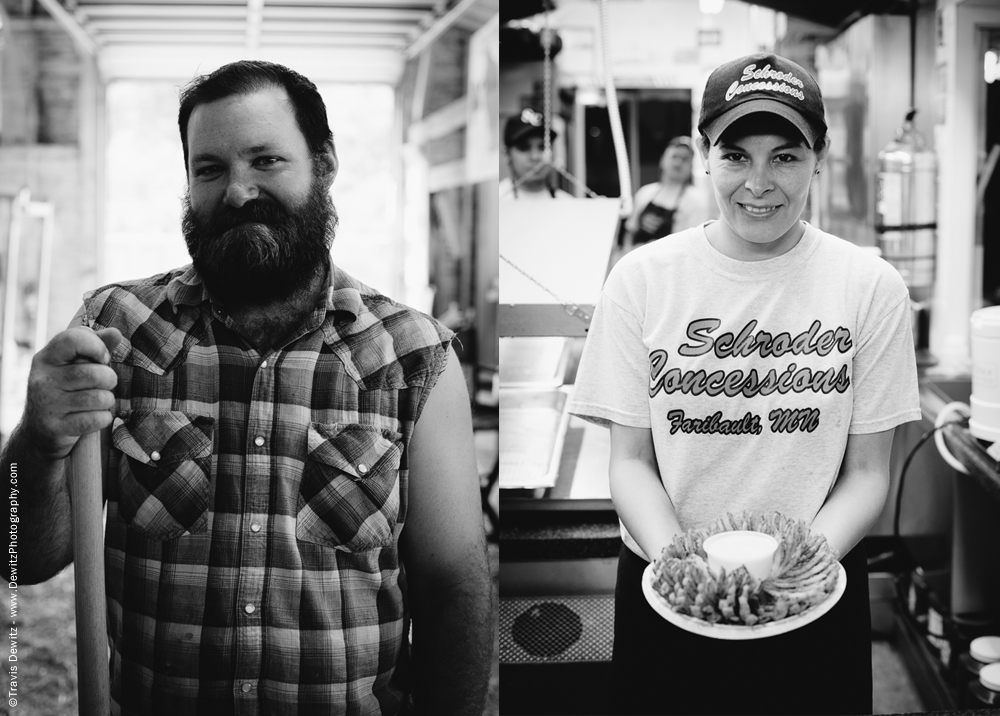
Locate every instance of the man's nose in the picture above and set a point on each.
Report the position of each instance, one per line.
(240, 190)
(759, 180)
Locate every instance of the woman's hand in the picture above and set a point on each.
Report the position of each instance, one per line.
(637, 491)
(859, 495)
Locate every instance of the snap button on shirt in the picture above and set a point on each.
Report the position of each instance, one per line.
(250, 608)
(246, 688)
(154, 456)
(362, 468)
(255, 527)
(258, 441)
(263, 364)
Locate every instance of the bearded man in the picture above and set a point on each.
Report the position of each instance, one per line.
(290, 477)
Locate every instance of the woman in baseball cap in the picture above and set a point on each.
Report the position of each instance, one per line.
(750, 365)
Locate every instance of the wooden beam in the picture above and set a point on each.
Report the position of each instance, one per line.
(84, 41)
(184, 11)
(182, 25)
(344, 14)
(332, 39)
(425, 5)
(181, 61)
(444, 121)
(420, 87)
(124, 24)
(401, 29)
(438, 28)
(198, 39)
(449, 175)
(268, 39)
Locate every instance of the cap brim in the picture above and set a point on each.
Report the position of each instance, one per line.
(719, 125)
(527, 132)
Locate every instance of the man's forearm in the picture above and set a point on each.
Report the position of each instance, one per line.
(452, 650)
(44, 529)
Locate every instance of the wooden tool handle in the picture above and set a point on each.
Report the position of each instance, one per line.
(86, 487)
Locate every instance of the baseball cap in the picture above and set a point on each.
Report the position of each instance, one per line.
(524, 125)
(762, 82)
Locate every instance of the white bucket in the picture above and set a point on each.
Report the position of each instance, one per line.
(985, 402)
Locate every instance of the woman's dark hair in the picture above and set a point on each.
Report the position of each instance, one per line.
(765, 122)
(248, 76)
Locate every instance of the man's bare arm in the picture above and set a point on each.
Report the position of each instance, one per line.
(69, 394)
(444, 554)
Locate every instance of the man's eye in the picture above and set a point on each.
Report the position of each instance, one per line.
(732, 157)
(266, 161)
(785, 158)
(206, 170)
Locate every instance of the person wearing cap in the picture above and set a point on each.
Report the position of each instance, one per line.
(751, 364)
(524, 145)
(669, 205)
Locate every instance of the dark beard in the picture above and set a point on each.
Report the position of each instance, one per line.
(260, 253)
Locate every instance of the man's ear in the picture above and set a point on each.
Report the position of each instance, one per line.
(327, 164)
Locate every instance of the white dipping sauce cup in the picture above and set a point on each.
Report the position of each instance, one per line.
(741, 548)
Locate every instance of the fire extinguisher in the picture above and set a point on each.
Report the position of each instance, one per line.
(905, 207)
(906, 216)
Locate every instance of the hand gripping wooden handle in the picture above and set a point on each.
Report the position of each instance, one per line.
(86, 488)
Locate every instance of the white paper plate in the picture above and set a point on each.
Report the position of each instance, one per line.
(741, 631)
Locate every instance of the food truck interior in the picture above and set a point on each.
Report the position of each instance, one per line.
(934, 570)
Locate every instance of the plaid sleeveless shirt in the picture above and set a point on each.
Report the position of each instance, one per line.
(255, 501)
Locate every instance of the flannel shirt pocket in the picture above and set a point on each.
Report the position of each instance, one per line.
(164, 476)
(349, 496)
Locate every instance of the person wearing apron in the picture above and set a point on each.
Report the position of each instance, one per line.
(753, 364)
(669, 205)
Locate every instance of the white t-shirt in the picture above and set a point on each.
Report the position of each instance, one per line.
(750, 375)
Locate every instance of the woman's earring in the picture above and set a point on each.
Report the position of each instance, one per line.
(706, 171)
(817, 171)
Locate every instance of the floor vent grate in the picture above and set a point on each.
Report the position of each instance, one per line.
(545, 630)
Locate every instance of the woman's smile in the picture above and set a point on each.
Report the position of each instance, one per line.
(759, 212)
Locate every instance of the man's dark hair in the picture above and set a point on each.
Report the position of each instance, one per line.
(248, 76)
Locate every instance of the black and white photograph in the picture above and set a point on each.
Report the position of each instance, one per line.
(749, 357)
(249, 361)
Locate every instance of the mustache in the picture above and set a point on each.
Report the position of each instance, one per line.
(256, 211)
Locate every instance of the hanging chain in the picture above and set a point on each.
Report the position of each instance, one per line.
(547, 88)
(571, 309)
(548, 159)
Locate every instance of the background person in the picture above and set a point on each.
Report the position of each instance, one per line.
(669, 205)
(701, 350)
(290, 476)
(524, 147)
